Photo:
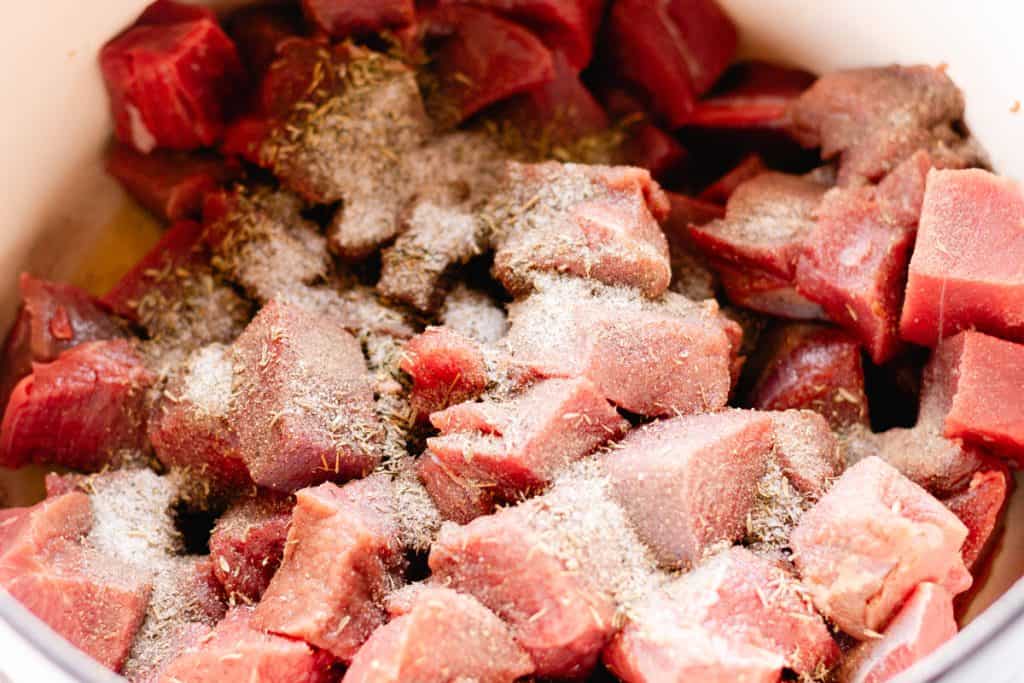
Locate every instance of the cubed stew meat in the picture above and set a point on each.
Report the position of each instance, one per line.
(462, 359)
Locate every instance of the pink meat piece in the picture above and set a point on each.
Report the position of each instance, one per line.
(568, 26)
(672, 51)
(190, 429)
(767, 221)
(751, 95)
(922, 624)
(201, 581)
(295, 373)
(91, 600)
(864, 547)
(257, 31)
(807, 451)
(458, 498)
(341, 557)
(247, 544)
(761, 291)
(719, 191)
(446, 368)
(508, 449)
(875, 118)
(344, 18)
(170, 185)
(53, 318)
(812, 367)
(442, 636)
(555, 614)
(688, 483)
(980, 507)
(238, 651)
(487, 59)
(692, 276)
(170, 84)
(652, 359)
(596, 222)
(964, 273)
(81, 411)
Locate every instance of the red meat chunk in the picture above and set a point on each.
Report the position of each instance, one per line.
(506, 449)
(661, 359)
(982, 377)
(648, 146)
(964, 270)
(170, 83)
(672, 51)
(82, 411)
(170, 185)
(90, 599)
(446, 368)
(807, 451)
(752, 94)
(343, 18)
(924, 623)
(980, 507)
(303, 405)
(864, 547)
(596, 222)
(688, 483)
(54, 317)
(339, 560)
(441, 636)
(457, 498)
(488, 58)
(247, 544)
(238, 651)
(554, 613)
(258, 30)
(190, 430)
(719, 192)
(692, 276)
(813, 367)
(747, 613)
(767, 221)
(760, 291)
(875, 118)
(568, 26)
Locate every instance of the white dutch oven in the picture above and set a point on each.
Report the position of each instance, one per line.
(63, 218)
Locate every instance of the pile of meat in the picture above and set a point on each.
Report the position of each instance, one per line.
(430, 380)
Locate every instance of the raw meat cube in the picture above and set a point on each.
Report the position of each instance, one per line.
(864, 547)
(486, 59)
(507, 449)
(875, 118)
(767, 221)
(474, 314)
(760, 291)
(238, 651)
(924, 623)
(596, 222)
(90, 599)
(807, 451)
(170, 185)
(303, 404)
(446, 368)
(752, 94)
(82, 411)
(657, 359)
(258, 30)
(692, 276)
(261, 242)
(672, 51)
(339, 560)
(964, 270)
(982, 377)
(689, 482)
(247, 544)
(343, 18)
(189, 428)
(441, 636)
(749, 168)
(170, 84)
(812, 367)
(554, 613)
(53, 318)
(980, 507)
(458, 497)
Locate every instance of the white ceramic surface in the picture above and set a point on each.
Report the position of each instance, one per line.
(58, 205)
